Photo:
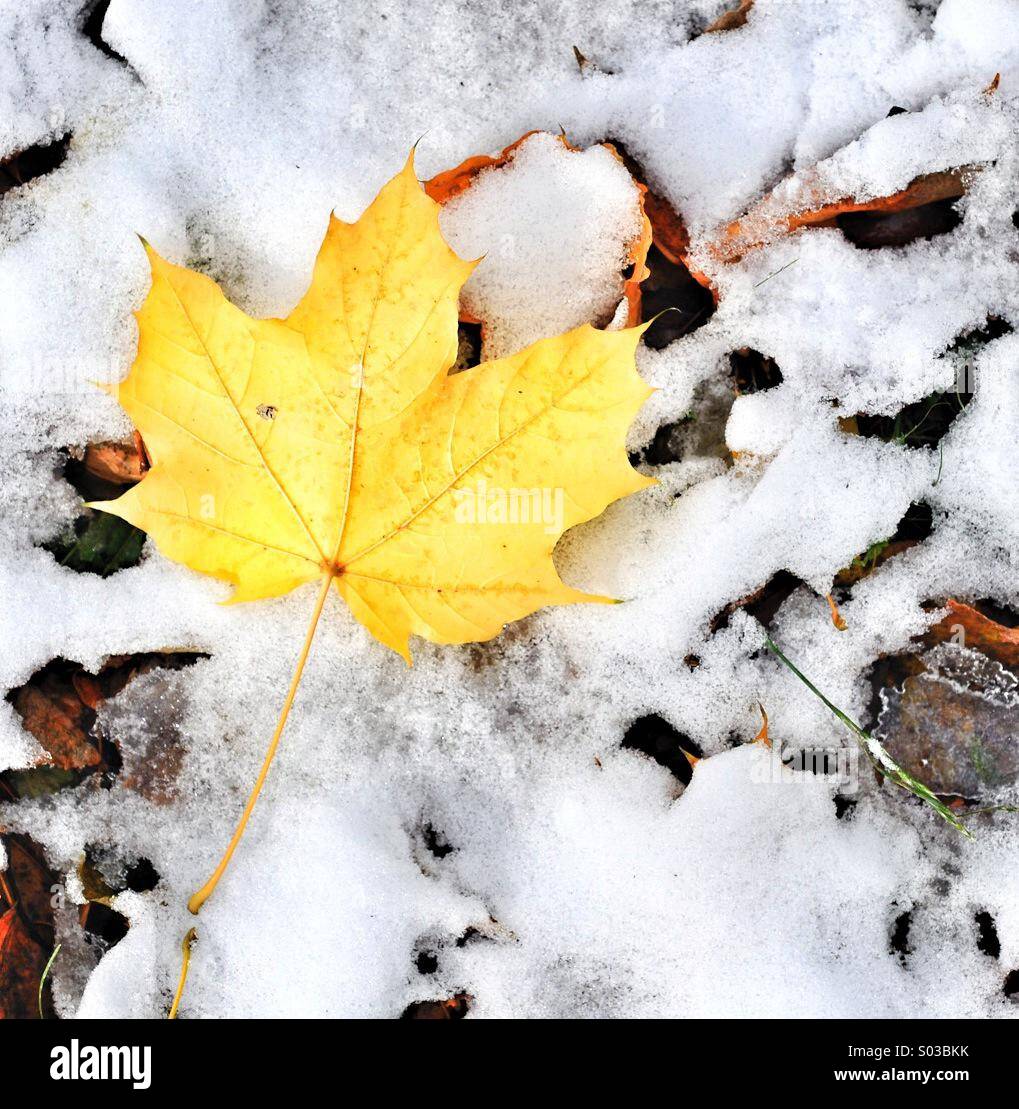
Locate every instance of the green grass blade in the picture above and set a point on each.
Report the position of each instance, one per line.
(881, 759)
(45, 975)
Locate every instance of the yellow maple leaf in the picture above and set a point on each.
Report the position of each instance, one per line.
(336, 445)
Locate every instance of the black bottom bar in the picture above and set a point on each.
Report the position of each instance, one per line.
(212, 1058)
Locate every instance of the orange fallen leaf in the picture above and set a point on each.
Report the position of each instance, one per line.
(120, 463)
(969, 627)
(771, 217)
(6, 924)
(730, 20)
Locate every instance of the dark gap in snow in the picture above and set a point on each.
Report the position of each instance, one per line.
(468, 351)
(900, 936)
(916, 525)
(103, 924)
(698, 433)
(34, 161)
(987, 938)
(769, 599)
(920, 424)
(452, 1008)
(104, 873)
(141, 876)
(436, 842)
(963, 350)
(762, 604)
(654, 736)
(57, 706)
(994, 327)
(691, 662)
(470, 934)
(91, 19)
(925, 422)
(665, 447)
(844, 807)
(671, 289)
(426, 962)
(874, 230)
(1010, 988)
(98, 542)
(753, 372)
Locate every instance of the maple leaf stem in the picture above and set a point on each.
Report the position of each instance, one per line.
(186, 944)
(198, 899)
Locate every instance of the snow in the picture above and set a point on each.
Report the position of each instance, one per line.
(571, 216)
(583, 880)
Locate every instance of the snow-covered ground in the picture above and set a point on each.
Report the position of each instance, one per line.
(584, 879)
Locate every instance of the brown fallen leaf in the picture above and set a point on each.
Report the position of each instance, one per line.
(586, 66)
(6, 924)
(949, 717)
(52, 711)
(58, 704)
(151, 757)
(958, 740)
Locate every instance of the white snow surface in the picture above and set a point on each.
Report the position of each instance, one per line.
(584, 880)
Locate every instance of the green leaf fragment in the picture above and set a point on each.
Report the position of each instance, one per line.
(106, 544)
